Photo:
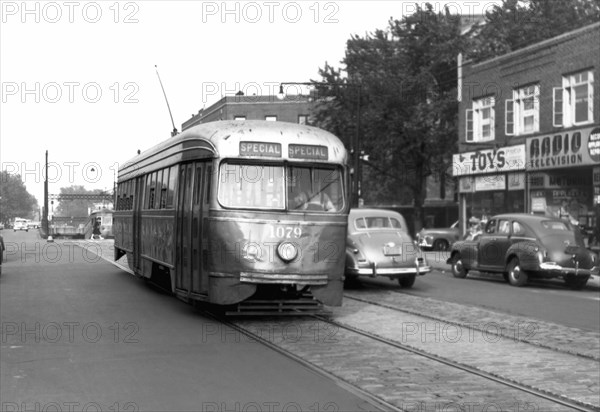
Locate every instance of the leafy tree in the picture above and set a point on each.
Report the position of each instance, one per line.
(516, 24)
(76, 207)
(408, 104)
(15, 201)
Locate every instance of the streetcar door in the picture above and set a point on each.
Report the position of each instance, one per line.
(184, 226)
(196, 230)
(137, 222)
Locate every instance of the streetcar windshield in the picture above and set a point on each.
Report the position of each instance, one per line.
(277, 187)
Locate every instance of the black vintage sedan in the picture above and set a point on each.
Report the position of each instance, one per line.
(438, 238)
(523, 246)
(379, 245)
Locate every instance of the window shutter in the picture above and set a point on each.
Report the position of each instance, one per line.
(557, 107)
(509, 123)
(469, 125)
(493, 120)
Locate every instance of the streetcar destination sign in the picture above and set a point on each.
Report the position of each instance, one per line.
(263, 149)
(303, 151)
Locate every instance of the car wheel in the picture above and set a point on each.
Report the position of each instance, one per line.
(441, 245)
(516, 275)
(458, 268)
(407, 281)
(576, 282)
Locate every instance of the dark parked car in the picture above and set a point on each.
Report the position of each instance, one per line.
(379, 244)
(438, 238)
(523, 246)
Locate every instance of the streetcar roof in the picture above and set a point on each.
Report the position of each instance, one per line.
(266, 140)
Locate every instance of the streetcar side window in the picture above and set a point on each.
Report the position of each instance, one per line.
(161, 187)
(171, 186)
(150, 180)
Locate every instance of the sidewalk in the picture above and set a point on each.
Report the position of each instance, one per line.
(437, 260)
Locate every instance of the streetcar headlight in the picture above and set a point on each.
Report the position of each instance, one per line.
(287, 251)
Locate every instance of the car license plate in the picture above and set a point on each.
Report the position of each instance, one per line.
(392, 251)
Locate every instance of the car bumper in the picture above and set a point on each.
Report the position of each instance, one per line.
(424, 243)
(556, 269)
(374, 271)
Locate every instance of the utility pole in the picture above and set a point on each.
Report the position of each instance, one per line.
(45, 213)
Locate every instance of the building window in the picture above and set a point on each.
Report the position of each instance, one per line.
(239, 117)
(557, 107)
(578, 99)
(302, 119)
(480, 120)
(523, 112)
(271, 118)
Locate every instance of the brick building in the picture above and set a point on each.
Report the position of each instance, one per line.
(294, 109)
(529, 130)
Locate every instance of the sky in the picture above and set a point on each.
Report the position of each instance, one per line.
(79, 78)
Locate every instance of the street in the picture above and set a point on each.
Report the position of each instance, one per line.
(79, 333)
(548, 300)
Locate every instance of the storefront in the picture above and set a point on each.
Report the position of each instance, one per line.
(564, 176)
(490, 181)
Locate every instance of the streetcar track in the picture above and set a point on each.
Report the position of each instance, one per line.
(367, 396)
(381, 403)
(549, 396)
(514, 337)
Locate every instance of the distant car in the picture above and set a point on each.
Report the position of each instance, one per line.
(33, 225)
(379, 245)
(522, 246)
(438, 238)
(21, 224)
(1, 226)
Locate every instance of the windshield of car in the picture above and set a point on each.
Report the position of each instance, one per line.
(378, 222)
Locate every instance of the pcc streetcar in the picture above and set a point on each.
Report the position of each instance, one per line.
(231, 211)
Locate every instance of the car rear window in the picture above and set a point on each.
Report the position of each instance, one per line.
(555, 225)
(378, 222)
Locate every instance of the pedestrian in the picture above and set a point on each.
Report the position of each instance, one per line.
(475, 229)
(96, 229)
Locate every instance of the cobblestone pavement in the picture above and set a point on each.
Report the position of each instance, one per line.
(408, 381)
(518, 328)
(553, 358)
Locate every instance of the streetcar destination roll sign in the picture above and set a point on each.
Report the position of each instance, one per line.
(263, 149)
(304, 151)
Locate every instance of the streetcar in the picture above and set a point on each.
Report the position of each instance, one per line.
(238, 211)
